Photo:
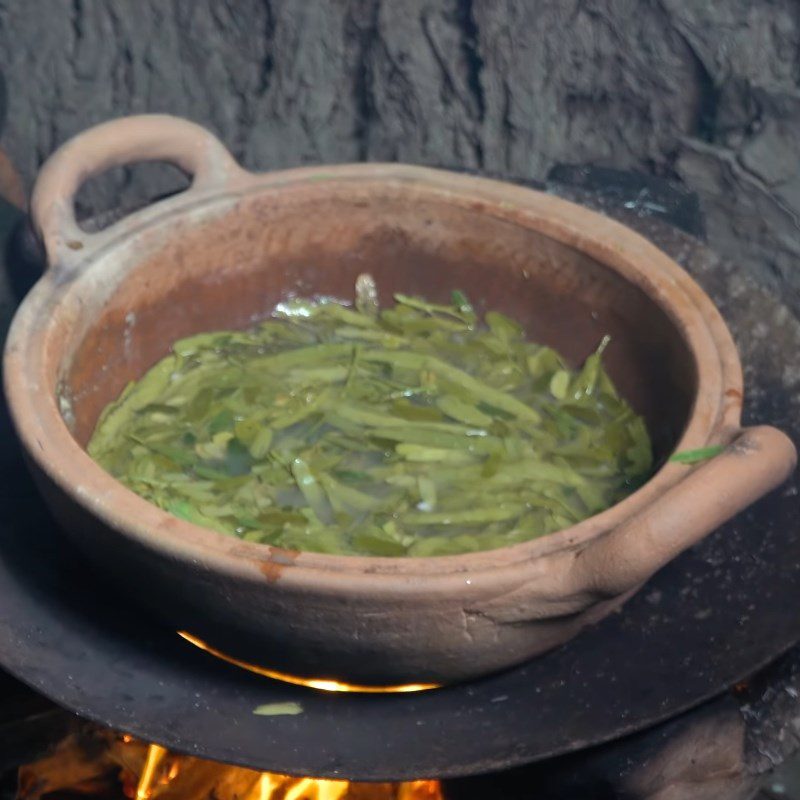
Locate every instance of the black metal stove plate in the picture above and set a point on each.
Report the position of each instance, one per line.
(712, 617)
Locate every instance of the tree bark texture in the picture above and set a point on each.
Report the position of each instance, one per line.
(705, 93)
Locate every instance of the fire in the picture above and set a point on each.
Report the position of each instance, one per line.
(156, 782)
(99, 763)
(155, 755)
(272, 786)
(150, 772)
(323, 684)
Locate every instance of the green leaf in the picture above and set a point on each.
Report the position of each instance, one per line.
(461, 411)
(311, 490)
(474, 516)
(429, 308)
(345, 498)
(559, 384)
(427, 493)
(377, 542)
(695, 456)
(461, 302)
(238, 460)
(436, 455)
(222, 421)
(260, 445)
(503, 327)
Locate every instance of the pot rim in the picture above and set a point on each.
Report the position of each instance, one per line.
(714, 417)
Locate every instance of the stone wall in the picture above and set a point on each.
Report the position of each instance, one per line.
(705, 93)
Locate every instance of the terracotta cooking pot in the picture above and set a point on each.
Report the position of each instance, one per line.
(224, 252)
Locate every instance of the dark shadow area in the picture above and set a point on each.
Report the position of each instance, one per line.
(644, 195)
(24, 256)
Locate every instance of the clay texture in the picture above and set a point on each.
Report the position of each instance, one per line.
(223, 252)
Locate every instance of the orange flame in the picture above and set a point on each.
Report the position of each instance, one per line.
(323, 684)
(155, 755)
(272, 786)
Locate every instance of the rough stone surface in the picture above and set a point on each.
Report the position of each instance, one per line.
(706, 93)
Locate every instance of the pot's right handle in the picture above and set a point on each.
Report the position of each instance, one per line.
(756, 461)
(147, 137)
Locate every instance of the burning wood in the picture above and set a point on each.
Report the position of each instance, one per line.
(102, 764)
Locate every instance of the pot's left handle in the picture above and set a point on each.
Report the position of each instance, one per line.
(148, 137)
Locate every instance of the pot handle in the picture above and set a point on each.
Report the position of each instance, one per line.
(148, 137)
(755, 462)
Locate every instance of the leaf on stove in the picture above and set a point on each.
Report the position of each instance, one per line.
(278, 709)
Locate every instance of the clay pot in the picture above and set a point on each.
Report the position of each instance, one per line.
(222, 253)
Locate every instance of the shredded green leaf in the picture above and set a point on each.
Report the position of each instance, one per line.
(413, 430)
